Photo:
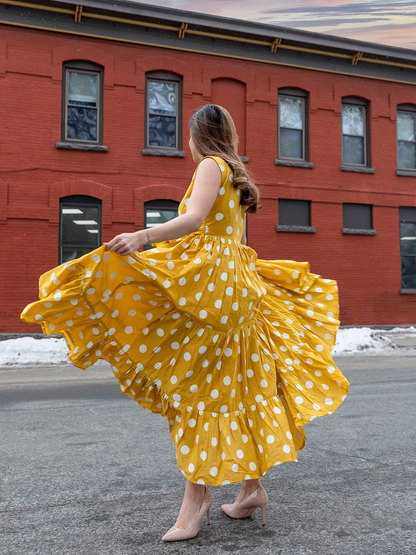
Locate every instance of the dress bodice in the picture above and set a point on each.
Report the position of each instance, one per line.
(227, 216)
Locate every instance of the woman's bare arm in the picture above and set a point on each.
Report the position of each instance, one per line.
(205, 190)
(244, 236)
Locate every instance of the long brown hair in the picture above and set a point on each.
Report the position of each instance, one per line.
(214, 134)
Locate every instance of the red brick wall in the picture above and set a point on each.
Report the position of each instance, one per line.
(34, 173)
(231, 94)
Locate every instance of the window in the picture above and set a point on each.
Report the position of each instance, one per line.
(295, 215)
(406, 136)
(79, 226)
(407, 217)
(82, 114)
(163, 112)
(292, 126)
(355, 131)
(157, 212)
(357, 219)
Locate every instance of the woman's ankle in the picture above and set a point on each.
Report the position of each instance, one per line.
(194, 490)
(250, 485)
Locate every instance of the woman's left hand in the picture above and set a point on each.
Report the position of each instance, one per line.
(126, 243)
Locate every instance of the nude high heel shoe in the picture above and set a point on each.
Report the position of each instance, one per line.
(176, 534)
(245, 508)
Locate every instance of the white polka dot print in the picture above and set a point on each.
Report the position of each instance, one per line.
(234, 350)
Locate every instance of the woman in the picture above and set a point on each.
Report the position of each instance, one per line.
(235, 351)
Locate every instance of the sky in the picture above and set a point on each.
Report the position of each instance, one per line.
(389, 22)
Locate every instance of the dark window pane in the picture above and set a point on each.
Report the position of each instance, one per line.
(409, 272)
(155, 217)
(162, 98)
(408, 238)
(82, 124)
(353, 150)
(357, 216)
(158, 214)
(162, 131)
(70, 253)
(407, 213)
(294, 212)
(80, 225)
(407, 155)
(290, 143)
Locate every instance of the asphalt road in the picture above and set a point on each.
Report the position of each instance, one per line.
(86, 470)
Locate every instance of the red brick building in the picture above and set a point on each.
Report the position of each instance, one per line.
(96, 98)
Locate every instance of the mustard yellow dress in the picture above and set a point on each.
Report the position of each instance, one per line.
(234, 351)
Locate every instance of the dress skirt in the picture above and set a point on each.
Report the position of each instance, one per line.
(233, 350)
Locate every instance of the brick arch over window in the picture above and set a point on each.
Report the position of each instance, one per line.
(358, 91)
(80, 187)
(231, 94)
(396, 99)
(227, 70)
(153, 192)
(166, 64)
(85, 53)
(301, 83)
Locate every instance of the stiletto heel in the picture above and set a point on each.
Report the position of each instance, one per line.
(176, 534)
(245, 508)
(263, 510)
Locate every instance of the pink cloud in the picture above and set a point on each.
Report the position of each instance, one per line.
(391, 22)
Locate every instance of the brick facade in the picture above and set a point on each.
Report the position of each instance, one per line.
(34, 174)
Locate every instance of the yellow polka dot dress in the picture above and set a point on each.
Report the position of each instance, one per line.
(234, 351)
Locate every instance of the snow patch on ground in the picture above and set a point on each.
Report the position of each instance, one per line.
(350, 341)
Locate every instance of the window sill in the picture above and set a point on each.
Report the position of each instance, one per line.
(407, 173)
(244, 159)
(351, 231)
(293, 163)
(359, 169)
(163, 152)
(296, 228)
(81, 146)
(408, 291)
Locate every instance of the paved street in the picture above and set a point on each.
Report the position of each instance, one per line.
(85, 470)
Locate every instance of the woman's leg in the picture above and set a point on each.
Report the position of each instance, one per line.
(247, 488)
(192, 501)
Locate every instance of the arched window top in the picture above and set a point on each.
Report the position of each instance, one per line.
(82, 199)
(82, 64)
(293, 91)
(407, 107)
(161, 203)
(164, 75)
(358, 100)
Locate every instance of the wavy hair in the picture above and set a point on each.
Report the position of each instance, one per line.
(214, 134)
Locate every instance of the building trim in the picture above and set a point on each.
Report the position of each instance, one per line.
(198, 41)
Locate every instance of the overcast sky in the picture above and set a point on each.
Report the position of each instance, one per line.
(391, 22)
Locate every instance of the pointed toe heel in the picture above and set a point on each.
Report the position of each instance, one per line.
(176, 534)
